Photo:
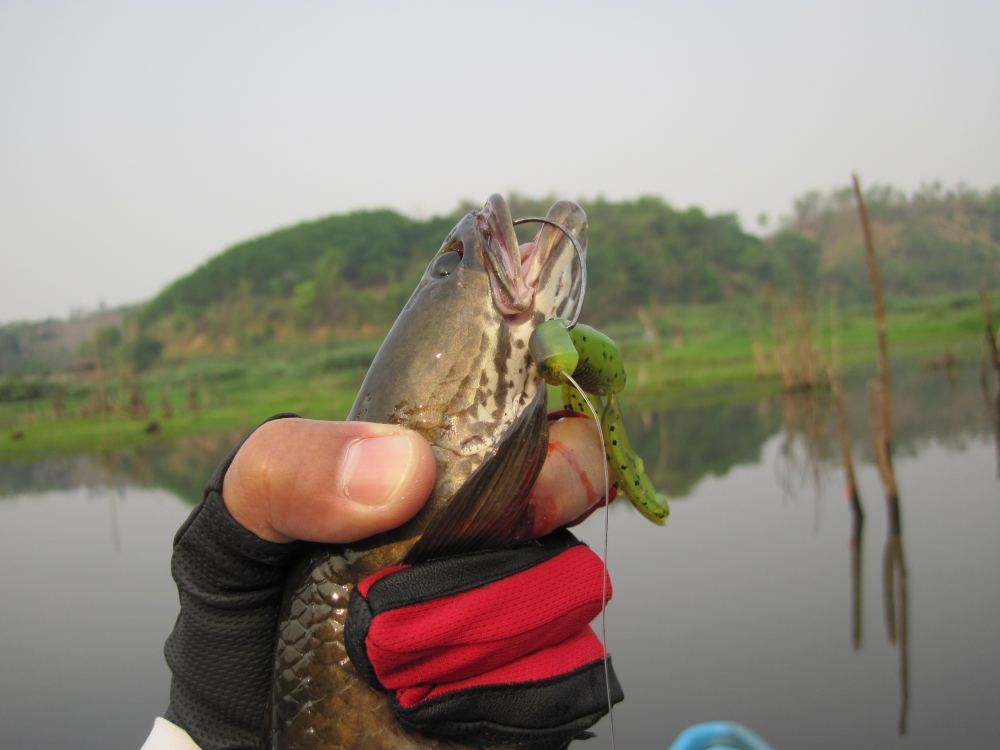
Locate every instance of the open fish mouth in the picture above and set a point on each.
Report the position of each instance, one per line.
(515, 270)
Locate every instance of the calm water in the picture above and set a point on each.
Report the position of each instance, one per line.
(752, 604)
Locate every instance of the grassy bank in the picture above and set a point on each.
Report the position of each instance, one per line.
(676, 354)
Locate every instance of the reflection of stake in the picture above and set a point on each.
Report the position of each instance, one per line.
(850, 478)
(854, 497)
(897, 614)
(857, 531)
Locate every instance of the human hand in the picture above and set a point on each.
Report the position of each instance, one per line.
(343, 481)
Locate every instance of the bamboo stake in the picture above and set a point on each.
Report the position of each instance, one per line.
(882, 397)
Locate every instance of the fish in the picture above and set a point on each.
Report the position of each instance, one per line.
(456, 367)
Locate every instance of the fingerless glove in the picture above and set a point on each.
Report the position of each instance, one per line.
(489, 647)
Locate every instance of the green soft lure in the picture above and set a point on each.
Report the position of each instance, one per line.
(594, 362)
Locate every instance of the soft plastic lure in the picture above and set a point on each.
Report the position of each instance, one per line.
(584, 354)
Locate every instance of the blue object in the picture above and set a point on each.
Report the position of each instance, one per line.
(719, 735)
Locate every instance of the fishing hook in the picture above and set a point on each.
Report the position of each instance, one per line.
(580, 254)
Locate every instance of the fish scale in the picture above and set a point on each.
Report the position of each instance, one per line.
(315, 665)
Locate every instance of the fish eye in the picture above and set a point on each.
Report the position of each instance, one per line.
(447, 262)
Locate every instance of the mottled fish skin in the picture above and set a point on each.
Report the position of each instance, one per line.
(458, 370)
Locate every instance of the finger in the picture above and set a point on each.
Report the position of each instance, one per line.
(328, 481)
(572, 478)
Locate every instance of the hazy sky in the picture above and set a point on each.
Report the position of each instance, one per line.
(139, 139)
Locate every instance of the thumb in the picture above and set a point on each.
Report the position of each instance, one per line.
(328, 481)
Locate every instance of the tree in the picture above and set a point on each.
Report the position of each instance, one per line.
(143, 353)
(304, 300)
(798, 259)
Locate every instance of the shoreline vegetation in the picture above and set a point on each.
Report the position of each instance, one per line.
(685, 354)
(702, 310)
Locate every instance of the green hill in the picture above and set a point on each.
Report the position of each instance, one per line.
(349, 274)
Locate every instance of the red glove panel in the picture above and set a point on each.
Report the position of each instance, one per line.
(490, 646)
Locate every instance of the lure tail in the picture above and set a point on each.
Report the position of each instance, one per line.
(628, 466)
(585, 359)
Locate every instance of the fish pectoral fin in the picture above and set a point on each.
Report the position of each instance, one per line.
(490, 509)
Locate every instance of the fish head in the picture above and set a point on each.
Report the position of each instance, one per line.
(456, 367)
(543, 277)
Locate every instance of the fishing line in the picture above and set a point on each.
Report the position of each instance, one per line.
(604, 581)
(582, 260)
(580, 255)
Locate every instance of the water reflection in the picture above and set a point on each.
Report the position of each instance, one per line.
(897, 614)
(88, 601)
(684, 443)
(805, 445)
(182, 466)
(689, 439)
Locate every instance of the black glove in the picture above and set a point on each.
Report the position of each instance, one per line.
(222, 647)
(221, 650)
(489, 647)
